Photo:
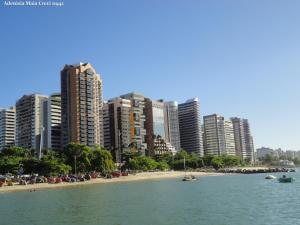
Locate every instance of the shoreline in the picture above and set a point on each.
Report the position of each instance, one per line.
(136, 177)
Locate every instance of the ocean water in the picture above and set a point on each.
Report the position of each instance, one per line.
(219, 200)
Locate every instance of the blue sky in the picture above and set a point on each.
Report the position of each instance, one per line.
(240, 57)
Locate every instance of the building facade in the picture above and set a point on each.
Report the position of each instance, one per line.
(52, 122)
(29, 122)
(116, 126)
(229, 138)
(243, 139)
(218, 136)
(156, 128)
(172, 124)
(7, 127)
(81, 105)
(155, 123)
(190, 126)
(137, 121)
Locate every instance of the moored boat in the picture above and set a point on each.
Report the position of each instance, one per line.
(189, 178)
(285, 179)
(270, 177)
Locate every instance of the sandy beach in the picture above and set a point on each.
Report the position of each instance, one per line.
(136, 177)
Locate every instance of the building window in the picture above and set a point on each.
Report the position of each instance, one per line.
(137, 131)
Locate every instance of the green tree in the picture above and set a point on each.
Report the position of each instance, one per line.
(10, 164)
(207, 160)
(182, 154)
(144, 163)
(79, 154)
(102, 160)
(168, 158)
(162, 165)
(229, 160)
(30, 165)
(193, 161)
(16, 151)
(51, 167)
(178, 164)
(217, 162)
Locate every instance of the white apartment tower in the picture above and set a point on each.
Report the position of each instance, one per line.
(218, 136)
(7, 127)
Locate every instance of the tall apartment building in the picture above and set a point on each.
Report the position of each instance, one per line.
(243, 138)
(137, 120)
(229, 138)
(155, 127)
(172, 124)
(29, 121)
(190, 126)
(116, 126)
(52, 122)
(7, 127)
(218, 136)
(81, 105)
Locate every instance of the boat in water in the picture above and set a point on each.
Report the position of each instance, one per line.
(270, 177)
(187, 177)
(285, 179)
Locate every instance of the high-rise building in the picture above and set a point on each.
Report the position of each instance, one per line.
(172, 124)
(157, 142)
(81, 105)
(7, 127)
(243, 138)
(137, 121)
(229, 138)
(218, 136)
(52, 122)
(116, 126)
(29, 122)
(190, 126)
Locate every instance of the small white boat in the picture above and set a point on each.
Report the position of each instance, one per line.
(270, 177)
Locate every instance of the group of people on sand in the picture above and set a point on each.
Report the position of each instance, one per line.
(10, 180)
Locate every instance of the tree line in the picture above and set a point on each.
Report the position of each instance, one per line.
(72, 159)
(77, 158)
(136, 161)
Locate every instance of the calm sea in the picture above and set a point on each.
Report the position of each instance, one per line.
(222, 200)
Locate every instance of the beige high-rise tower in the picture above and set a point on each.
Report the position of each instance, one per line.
(81, 105)
(29, 122)
(243, 138)
(218, 136)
